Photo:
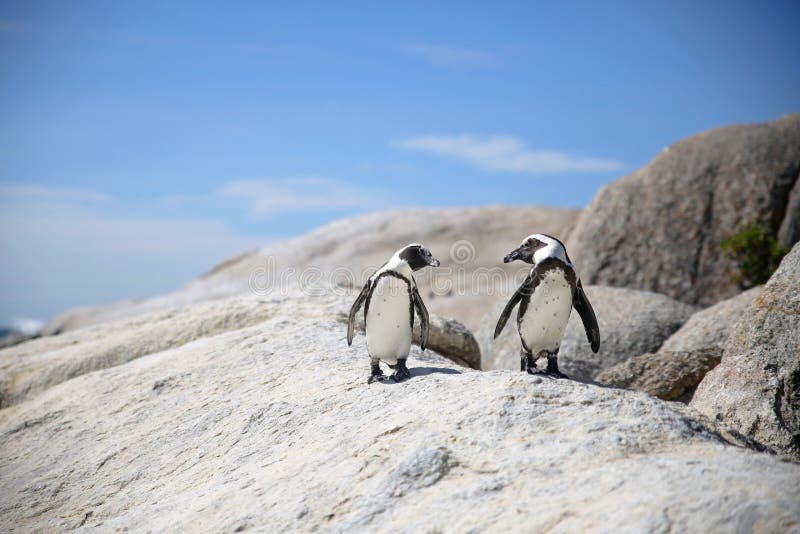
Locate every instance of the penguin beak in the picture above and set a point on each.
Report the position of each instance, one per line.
(434, 262)
(513, 255)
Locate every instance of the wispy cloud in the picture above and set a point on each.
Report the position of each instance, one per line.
(68, 247)
(303, 193)
(507, 154)
(451, 56)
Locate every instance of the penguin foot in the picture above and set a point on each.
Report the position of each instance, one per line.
(401, 372)
(377, 373)
(400, 376)
(552, 368)
(527, 362)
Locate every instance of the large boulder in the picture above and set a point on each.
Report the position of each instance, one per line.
(686, 356)
(631, 323)
(660, 227)
(271, 427)
(470, 243)
(756, 387)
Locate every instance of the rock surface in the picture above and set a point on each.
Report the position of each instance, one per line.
(9, 340)
(668, 375)
(789, 231)
(756, 387)
(470, 243)
(686, 356)
(26, 370)
(631, 323)
(660, 227)
(709, 329)
(271, 427)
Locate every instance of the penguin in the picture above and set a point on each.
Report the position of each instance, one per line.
(390, 297)
(546, 299)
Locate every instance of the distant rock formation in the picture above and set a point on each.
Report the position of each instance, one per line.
(660, 227)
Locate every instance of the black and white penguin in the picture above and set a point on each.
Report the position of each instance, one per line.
(390, 297)
(546, 299)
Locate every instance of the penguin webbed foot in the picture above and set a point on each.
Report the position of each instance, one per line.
(376, 375)
(377, 378)
(552, 368)
(401, 372)
(528, 363)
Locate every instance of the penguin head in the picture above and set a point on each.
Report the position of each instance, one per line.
(417, 256)
(537, 247)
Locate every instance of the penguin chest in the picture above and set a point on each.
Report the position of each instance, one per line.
(389, 320)
(544, 320)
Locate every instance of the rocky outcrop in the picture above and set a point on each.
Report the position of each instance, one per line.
(789, 231)
(660, 227)
(15, 338)
(709, 329)
(470, 243)
(271, 427)
(756, 387)
(631, 323)
(32, 367)
(686, 356)
(668, 375)
(28, 369)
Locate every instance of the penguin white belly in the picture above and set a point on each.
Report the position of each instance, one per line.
(389, 320)
(542, 327)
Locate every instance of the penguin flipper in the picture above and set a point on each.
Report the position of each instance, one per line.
(525, 289)
(585, 310)
(351, 320)
(424, 320)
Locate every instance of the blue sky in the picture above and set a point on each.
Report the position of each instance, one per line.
(142, 142)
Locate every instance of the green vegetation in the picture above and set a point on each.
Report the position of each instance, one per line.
(757, 253)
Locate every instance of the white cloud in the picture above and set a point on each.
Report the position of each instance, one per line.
(64, 248)
(507, 154)
(303, 193)
(452, 56)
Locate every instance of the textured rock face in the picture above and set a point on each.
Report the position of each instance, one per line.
(28, 369)
(631, 323)
(271, 427)
(668, 375)
(710, 328)
(756, 387)
(789, 231)
(686, 356)
(660, 227)
(468, 242)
